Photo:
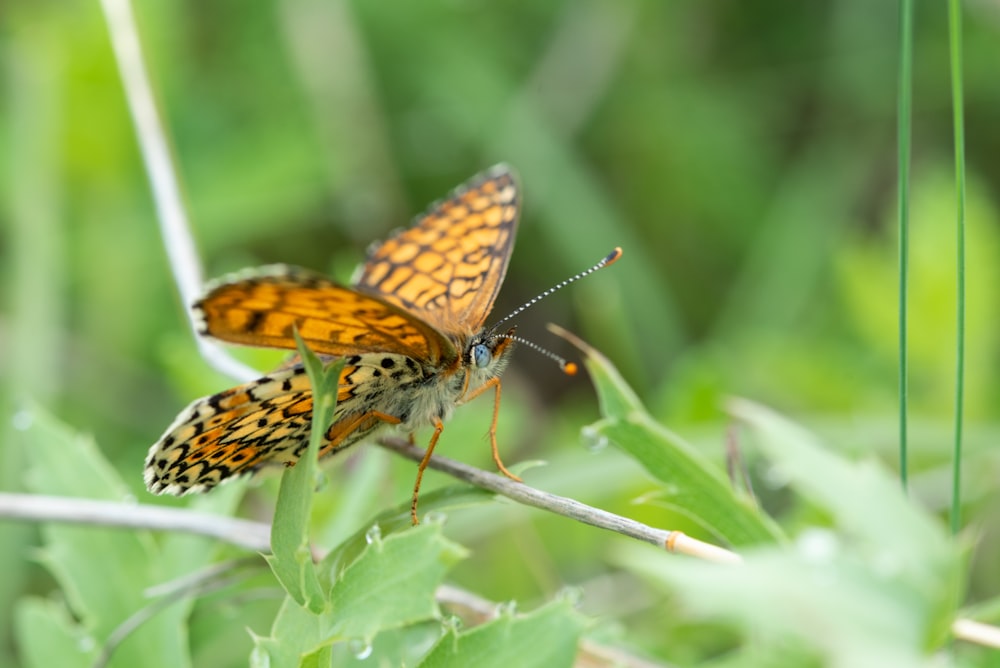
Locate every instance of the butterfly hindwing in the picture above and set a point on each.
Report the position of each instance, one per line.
(233, 432)
(267, 422)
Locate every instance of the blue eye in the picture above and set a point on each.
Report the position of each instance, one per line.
(481, 355)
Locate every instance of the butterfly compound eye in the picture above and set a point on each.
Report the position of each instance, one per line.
(481, 355)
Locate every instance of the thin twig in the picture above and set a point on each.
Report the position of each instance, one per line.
(977, 633)
(39, 508)
(256, 535)
(174, 227)
(674, 541)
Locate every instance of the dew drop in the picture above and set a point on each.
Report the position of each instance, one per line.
(321, 481)
(23, 419)
(886, 564)
(260, 657)
(452, 623)
(775, 477)
(593, 439)
(506, 609)
(360, 648)
(374, 534)
(435, 517)
(670, 489)
(86, 644)
(818, 545)
(570, 595)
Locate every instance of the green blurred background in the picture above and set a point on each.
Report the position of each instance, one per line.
(742, 154)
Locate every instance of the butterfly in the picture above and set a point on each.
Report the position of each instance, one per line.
(410, 330)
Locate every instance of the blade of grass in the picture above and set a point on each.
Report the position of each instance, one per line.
(166, 190)
(292, 559)
(955, 44)
(903, 149)
(691, 485)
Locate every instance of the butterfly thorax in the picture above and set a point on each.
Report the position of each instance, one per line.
(441, 388)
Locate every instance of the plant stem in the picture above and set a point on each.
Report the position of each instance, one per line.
(904, 117)
(955, 42)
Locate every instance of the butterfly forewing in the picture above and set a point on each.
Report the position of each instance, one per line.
(449, 266)
(265, 308)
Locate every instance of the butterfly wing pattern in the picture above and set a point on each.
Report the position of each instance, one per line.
(448, 267)
(264, 307)
(409, 330)
(264, 422)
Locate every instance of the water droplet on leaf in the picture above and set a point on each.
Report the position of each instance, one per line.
(22, 420)
(571, 595)
(360, 648)
(818, 545)
(506, 609)
(435, 517)
(593, 439)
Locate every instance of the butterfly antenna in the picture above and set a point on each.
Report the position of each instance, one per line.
(569, 368)
(610, 259)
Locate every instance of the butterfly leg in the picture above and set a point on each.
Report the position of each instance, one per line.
(341, 429)
(438, 428)
(495, 384)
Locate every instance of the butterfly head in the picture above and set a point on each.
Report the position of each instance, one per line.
(491, 347)
(487, 350)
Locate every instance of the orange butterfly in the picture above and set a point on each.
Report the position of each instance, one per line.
(410, 331)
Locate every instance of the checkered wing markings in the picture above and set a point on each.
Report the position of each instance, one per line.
(449, 266)
(240, 430)
(263, 310)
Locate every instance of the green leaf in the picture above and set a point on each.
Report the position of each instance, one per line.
(392, 583)
(294, 634)
(396, 520)
(867, 504)
(818, 593)
(880, 589)
(692, 485)
(48, 636)
(405, 646)
(291, 560)
(355, 497)
(544, 638)
(64, 463)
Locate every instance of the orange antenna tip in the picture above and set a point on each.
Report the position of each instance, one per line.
(569, 368)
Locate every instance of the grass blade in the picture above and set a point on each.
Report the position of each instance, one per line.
(955, 43)
(903, 148)
(291, 560)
